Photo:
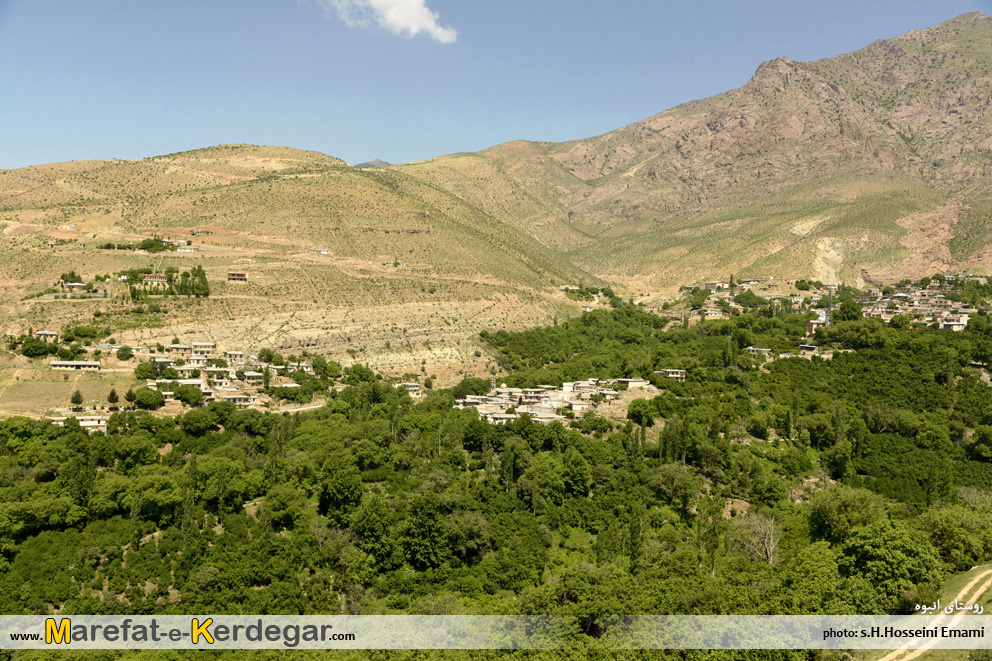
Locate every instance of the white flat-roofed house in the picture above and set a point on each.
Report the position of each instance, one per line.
(470, 402)
(180, 350)
(500, 418)
(533, 395)
(221, 382)
(254, 378)
(186, 371)
(46, 335)
(678, 375)
(954, 322)
(813, 324)
(412, 387)
(758, 352)
(608, 394)
(218, 376)
(76, 365)
(199, 383)
(235, 357)
(90, 423)
(237, 398)
(155, 280)
(202, 349)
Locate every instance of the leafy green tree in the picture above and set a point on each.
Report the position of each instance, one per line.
(698, 298)
(576, 474)
(125, 353)
(899, 321)
(709, 528)
(470, 386)
(341, 489)
(284, 505)
(424, 542)
(146, 398)
(678, 483)
(512, 461)
(113, 398)
(813, 583)
(542, 484)
(839, 509)
(961, 534)
(849, 310)
(76, 399)
(32, 347)
(189, 395)
(641, 412)
(197, 422)
(370, 521)
(332, 370)
(891, 556)
(357, 374)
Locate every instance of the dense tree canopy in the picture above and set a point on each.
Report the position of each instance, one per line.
(846, 483)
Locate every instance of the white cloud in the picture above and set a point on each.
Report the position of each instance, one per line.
(403, 17)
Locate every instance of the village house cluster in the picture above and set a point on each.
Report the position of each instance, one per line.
(220, 383)
(545, 403)
(721, 303)
(928, 305)
(239, 382)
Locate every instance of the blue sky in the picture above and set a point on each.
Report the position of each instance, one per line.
(400, 80)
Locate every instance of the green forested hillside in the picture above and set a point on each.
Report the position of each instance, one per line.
(854, 484)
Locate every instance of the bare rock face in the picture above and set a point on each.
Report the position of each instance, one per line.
(910, 104)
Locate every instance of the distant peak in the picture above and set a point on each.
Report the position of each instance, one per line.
(773, 74)
(778, 65)
(970, 17)
(374, 163)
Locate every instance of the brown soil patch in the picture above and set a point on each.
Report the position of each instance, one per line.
(926, 243)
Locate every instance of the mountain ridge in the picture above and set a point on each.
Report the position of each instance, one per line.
(827, 168)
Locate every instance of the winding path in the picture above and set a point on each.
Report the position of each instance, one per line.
(905, 654)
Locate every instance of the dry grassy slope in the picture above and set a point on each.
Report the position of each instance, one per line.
(306, 199)
(482, 183)
(17, 182)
